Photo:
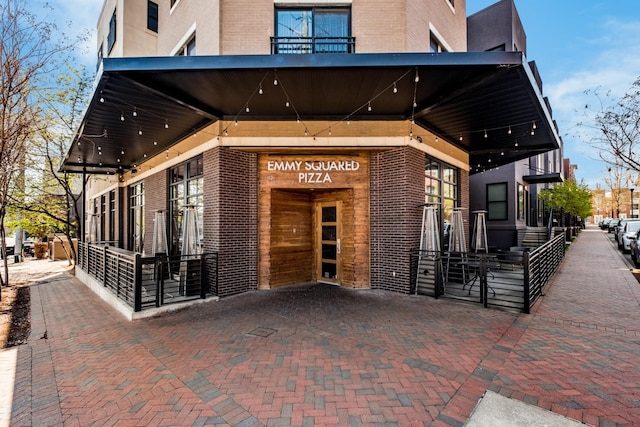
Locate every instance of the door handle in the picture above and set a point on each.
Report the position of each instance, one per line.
(338, 245)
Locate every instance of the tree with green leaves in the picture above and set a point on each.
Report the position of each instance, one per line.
(31, 50)
(573, 198)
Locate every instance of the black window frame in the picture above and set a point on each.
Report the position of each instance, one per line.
(111, 37)
(492, 214)
(309, 43)
(152, 16)
(136, 209)
(188, 175)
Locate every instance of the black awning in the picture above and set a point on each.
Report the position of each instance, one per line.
(547, 178)
(487, 103)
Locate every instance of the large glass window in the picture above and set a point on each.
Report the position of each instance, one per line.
(441, 187)
(186, 188)
(497, 207)
(313, 30)
(112, 215)
(136, 217)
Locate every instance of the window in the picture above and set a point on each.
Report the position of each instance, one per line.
(313, 30)
(435, 45)
(441, 187)
(136, 217)
(103, 216)
(111, 38)
(112, 215)
(497, 208)
(521, 202)
(99, 57)
(152, 16)
(189, 48)
(186, 183)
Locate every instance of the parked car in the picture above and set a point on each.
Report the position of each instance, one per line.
(620, 229)
(604, 225)
(629, 231)
(611, 227)
(11, 246)
(634, 249)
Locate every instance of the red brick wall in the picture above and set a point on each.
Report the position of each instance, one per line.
(231, 217)
(397, 190)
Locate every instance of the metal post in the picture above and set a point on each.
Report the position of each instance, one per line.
(527, 286)
(137, 283)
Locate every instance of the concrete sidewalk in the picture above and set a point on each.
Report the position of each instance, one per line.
(323, 355)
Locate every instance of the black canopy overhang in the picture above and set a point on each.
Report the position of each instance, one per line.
(487, 103)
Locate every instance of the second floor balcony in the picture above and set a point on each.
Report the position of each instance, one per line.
(304, 45)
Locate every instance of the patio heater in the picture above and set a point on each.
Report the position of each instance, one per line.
(93, 228)
(160, 244)
(189, 260)
(479, 242)
(428, 256)
(457, 244)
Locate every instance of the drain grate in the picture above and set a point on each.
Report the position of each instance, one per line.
(262, 332)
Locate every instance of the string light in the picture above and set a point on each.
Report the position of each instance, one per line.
(166, 154)
(122, 151)
(286, 104)
(395, 89)
(145, 155)
(260, 91)
(140, 132)
(135, 113)
(101, 99)
(369, 106)
(155, 142)
(247, 108)
(275, 81)
(485, 134)
(166, 124)
(121, 117)
(509, 131)
(460, 137)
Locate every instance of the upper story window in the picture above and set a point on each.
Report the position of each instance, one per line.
(99, 56)
(111, 38)
(435, 45)
(313, 30)
(189, 48)
(152, 16)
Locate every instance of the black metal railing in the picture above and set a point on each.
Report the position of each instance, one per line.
(305, 45)
(144, 282)
(511, 279)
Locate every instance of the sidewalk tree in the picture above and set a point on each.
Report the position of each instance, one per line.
(31, 49)
(616, 125)
(575, 199)
(50, 197)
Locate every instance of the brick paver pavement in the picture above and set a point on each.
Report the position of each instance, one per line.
(323, 355)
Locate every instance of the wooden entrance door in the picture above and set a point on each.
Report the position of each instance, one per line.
(328, 242)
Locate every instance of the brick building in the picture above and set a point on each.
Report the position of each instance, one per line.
(309, 144)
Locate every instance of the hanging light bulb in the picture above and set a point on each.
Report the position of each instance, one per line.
(121, 117)
(166, 124)
(122, 151)
(247, 109)
(235, 123)
(329, 131)
(99, 153)
(260, 91)
(460, 137)
(166, 154)
(369, 106)
(101, 99)
(298, 119)
(502, 153)
(534, 125)
(509, 131)
(349, 120)
(226, 132)
(286, 104)
(144, 155)
(118, 160)
(79, 159)
(306, 132)
(275, 81)
(516, 144)
(417, 79)
(395, 89)
(155, 142)
(79, 144)
(485, 134)
(140, 132)
(135, 113)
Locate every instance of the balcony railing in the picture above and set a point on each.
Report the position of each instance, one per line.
(304, 45)
(146, 282)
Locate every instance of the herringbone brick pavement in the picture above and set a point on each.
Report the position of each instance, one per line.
(322, 355)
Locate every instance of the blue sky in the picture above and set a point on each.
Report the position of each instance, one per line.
(577, 44)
